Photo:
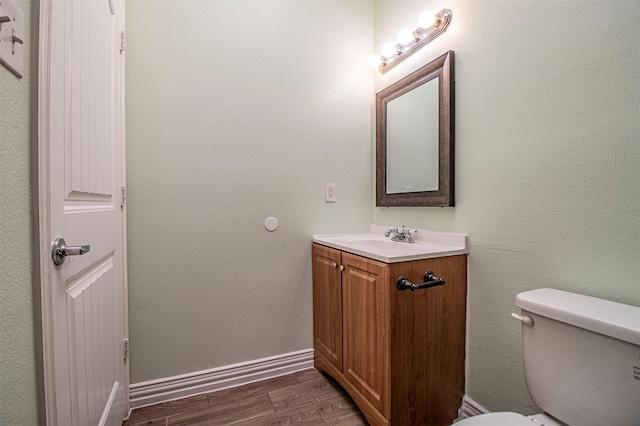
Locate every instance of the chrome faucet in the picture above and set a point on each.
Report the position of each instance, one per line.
(403, 236)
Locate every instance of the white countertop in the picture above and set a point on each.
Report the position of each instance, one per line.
(374, 245)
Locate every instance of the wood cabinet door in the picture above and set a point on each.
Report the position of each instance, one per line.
(365, 305)
(428, 343)
(327, 304)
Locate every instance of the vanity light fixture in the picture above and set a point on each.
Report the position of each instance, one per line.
(430, 27)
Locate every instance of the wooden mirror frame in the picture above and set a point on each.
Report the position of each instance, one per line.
(444, 197)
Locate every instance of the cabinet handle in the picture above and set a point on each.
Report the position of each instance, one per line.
(334, 265)
(430, 280)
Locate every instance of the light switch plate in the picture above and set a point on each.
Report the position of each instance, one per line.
(330, 192)
(11, 51)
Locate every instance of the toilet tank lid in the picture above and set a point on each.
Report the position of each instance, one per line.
(605, 317)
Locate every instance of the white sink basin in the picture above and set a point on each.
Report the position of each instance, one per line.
(375, 245)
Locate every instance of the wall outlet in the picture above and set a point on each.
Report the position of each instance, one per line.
(330, 192)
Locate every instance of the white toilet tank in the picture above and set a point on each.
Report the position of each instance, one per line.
(582, 357)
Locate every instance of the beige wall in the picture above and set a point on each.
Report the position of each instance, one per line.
(237, 111)
(547, 161)
(224, 131)
(18, 383)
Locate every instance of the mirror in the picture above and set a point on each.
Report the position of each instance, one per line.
(414, 138)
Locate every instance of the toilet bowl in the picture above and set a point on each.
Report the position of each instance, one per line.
(509, 419)
(580, 357)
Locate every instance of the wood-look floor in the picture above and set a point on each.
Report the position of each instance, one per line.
(302, 398)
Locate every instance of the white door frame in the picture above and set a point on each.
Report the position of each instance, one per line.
(44, 196)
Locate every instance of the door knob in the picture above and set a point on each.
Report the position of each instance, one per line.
(60, 251)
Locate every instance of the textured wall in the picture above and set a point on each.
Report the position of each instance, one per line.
(18, 388)
(237, 111)
(547, 162)
(226, 130)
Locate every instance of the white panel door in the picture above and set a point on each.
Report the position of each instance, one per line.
(81, 143)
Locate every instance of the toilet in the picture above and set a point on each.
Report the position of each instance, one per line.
(581, 361)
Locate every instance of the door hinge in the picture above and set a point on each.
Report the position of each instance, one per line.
(122, 46)
(123, 196)
(125, 348)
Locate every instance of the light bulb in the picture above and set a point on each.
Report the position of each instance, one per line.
(374, 61)
(389, 49)
(426, 19)
(405, 36)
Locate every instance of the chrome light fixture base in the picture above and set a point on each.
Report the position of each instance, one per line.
(422, 36)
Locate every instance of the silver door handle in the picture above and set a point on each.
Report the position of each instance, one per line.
(60, 251)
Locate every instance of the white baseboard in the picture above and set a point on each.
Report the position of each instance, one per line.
(185, 385)
(470, 408)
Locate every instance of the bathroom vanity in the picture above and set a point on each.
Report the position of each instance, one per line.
(399, 353)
